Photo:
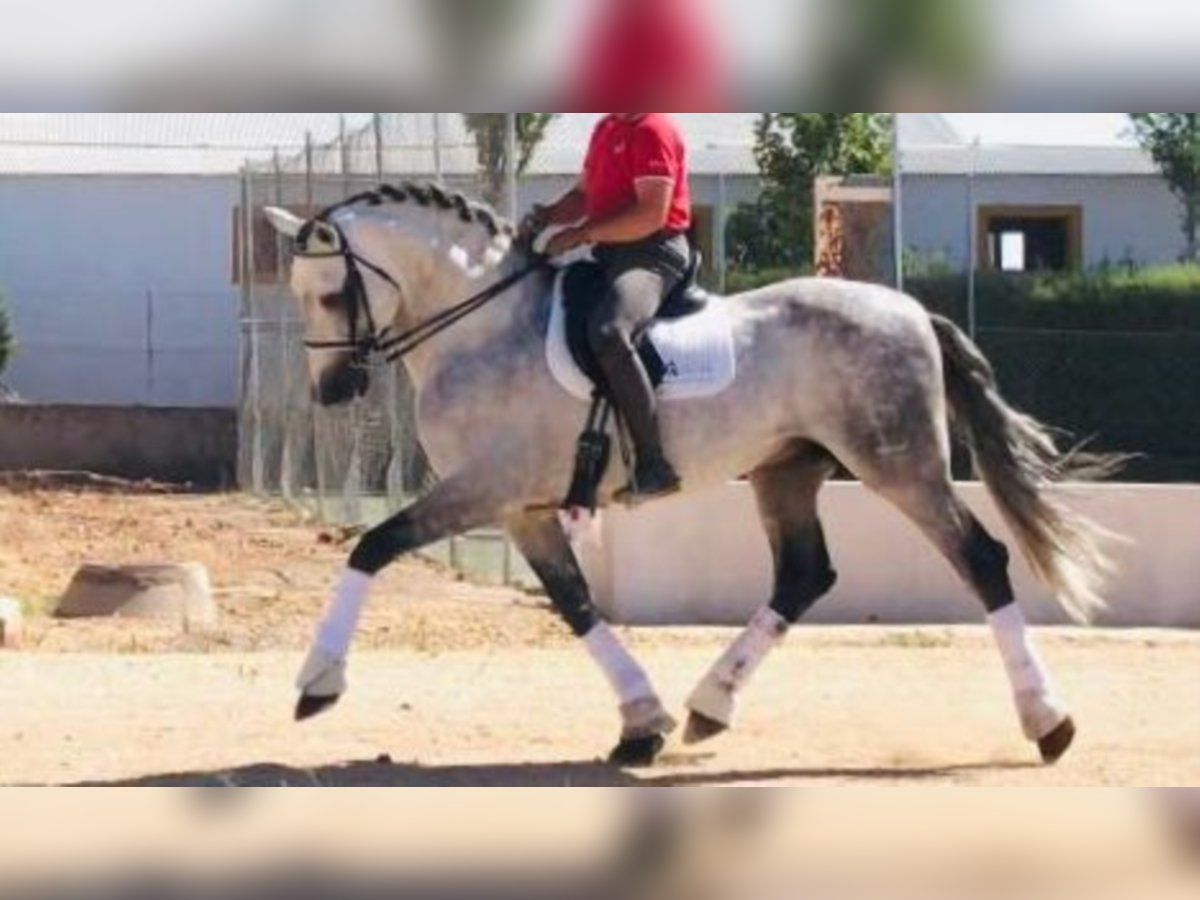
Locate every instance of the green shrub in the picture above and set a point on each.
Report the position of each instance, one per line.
(1165, 298)
(1108, 355)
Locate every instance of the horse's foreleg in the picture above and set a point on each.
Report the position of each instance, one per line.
(787, 499)
(645, 721)
(453, 507)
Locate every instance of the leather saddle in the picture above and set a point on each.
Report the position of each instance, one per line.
(585, 282)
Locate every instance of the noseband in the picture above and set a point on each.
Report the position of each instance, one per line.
(372, 341)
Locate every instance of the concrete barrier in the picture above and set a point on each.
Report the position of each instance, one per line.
(703, 559)
(170, 445)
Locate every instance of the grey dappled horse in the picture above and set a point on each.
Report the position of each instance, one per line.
(827, 371)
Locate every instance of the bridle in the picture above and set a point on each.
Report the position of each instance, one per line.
(367, 339)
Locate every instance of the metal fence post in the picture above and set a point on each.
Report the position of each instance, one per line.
(721, 223)
(897, 202)
(344, 154)
(377, 127)
(243, 281)
(510, 164)
(150, 347)
(308, 173)
(284, 424)
(248, 250)
(437, 147)
(972, 238)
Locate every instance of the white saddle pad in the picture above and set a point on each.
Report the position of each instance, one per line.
(697, 351)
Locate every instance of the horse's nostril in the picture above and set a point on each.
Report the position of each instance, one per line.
(340, 385)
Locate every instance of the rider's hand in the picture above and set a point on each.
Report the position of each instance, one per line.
(567, 240)
(534, 223)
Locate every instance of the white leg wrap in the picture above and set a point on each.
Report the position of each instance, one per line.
(322, 675)
(336, 631)
(646, 718)
(324, 671)
(715, 696)
(1037, 703)
(626, 677)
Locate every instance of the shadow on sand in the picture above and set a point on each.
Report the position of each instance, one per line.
(680, 770)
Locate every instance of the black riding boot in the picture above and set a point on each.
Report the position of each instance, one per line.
(634, 396)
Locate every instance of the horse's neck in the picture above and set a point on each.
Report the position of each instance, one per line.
(443, 274)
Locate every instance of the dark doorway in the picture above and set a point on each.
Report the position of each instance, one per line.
(1030, 240)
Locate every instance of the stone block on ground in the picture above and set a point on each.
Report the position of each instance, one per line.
(169, 594)
(10, 624)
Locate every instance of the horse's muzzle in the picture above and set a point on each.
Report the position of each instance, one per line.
(341, 385)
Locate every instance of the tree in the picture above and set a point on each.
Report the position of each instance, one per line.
(491, 143)
(792, 150)
(1173, 141)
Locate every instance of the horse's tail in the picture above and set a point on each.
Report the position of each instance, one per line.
(1019, 461)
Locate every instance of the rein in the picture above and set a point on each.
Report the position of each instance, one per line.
(376, 340)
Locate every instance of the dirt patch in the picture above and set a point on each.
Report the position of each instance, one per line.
(271, 569)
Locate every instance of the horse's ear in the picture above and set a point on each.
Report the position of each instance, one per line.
(286, 223)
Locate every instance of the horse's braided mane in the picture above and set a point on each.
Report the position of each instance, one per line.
(429, 195)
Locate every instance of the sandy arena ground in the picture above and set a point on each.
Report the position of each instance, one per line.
(465, 685)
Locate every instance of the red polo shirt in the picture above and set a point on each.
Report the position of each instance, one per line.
(623, 152)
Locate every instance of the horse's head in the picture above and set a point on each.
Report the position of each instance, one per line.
(372, 271)
(347, 302)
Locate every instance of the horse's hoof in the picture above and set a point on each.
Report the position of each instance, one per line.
(701, 728)
(637, 753)
(1055, 745)
(308, 706)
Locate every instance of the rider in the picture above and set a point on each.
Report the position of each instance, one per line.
(634, 205)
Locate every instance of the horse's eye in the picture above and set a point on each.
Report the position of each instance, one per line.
(331, 302)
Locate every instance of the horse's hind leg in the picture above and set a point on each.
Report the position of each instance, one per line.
(786, 491)
(645, 721)
(982, 562)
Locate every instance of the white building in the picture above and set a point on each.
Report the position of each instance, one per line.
(116, 251)
(1037, 207)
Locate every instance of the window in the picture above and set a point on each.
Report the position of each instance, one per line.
(1030, 238)
(1012, 251)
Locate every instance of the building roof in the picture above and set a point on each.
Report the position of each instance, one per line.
(220, 143)
(1015, 159)
(154, 143)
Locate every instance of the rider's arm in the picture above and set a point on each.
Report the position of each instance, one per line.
(568, 209)
(645, 217)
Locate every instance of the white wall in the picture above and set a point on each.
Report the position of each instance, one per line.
(79, 258)
(1123, 216)
(703, 559)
